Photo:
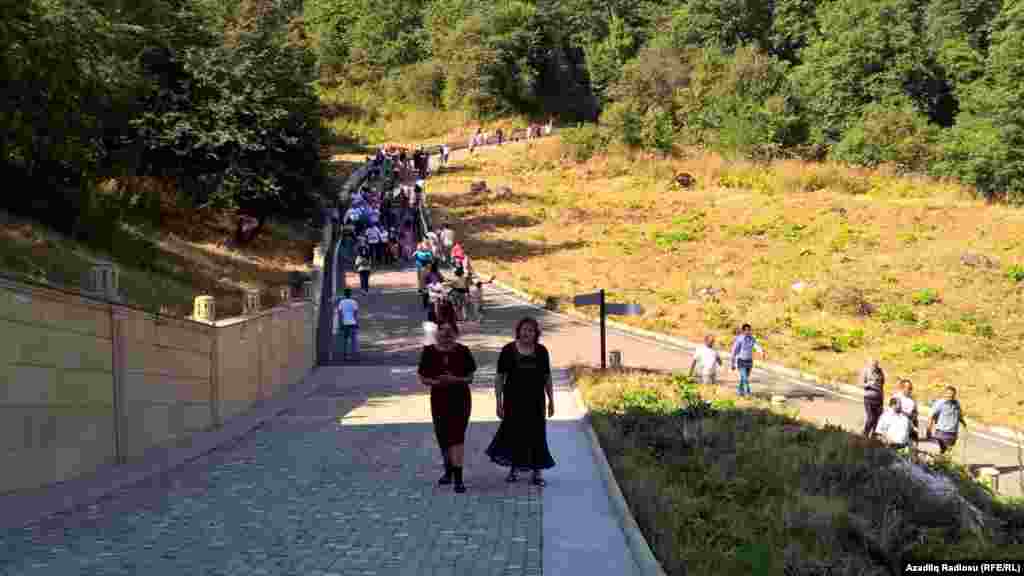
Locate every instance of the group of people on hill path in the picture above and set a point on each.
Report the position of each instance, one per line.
(897, 425)
(523, 384)
(481, 137)
(380, 227)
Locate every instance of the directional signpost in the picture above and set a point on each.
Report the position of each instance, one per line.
(597, 299)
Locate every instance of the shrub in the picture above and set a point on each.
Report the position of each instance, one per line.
(807, 332)
(686, 228)
(585, 140)
(926, 350)
(420, 83)
(625, 122)
(889, 133)
(925, 297)
(980, 152)
(718, 317)
(658, 131)
(740, 103)
(897, 313)
(850, 300)
(1016, 273)
(847, 340)
(747, 178)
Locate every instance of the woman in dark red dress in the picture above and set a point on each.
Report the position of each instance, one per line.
(523, 381)
(448, 368)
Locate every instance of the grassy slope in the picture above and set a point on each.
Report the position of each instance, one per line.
(853, 236)
(187, 255)
(755, 491)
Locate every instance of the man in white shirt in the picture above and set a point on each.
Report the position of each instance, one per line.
(384, 239)
(894, 425)
(708, 359)
(348, 309)
(908, 406)
(447, 241)
(433, 238)
(373, 239)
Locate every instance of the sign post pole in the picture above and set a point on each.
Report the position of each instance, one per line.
(603, 354)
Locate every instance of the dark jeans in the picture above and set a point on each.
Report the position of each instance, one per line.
(872, 412)
(946, 440)
(364, 280)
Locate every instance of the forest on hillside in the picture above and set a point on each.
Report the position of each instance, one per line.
(218, 99)
(930, 86)
(111, 106)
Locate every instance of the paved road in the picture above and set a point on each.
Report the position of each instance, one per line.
(346, 484)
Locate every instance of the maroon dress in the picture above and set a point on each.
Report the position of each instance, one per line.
(450, 404)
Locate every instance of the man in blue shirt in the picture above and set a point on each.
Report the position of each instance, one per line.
(743, 357)
(946, 419)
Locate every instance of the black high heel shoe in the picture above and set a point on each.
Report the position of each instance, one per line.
(512, 476)
(460, 488)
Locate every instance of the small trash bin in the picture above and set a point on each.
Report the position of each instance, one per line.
(615, 358)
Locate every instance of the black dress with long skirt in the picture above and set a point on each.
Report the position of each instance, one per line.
(521, 441)
(450, 404)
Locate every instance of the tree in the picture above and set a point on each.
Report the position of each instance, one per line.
(865, 51)
(986, 145)
(606, 57)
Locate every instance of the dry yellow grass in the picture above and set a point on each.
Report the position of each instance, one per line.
(187, 257)
(853, 236)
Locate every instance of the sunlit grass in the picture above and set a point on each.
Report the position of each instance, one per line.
(862, 243)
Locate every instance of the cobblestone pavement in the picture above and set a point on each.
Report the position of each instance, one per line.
(310, 493)
(345, 484)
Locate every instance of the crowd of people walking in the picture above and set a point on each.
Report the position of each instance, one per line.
(385, 226)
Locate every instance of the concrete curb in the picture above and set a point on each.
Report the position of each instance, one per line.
(1005, 435)
(27, 507)
(643, 556)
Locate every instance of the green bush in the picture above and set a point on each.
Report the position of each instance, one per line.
(925, 297)
(807, 332)
(889, 133)
(625, 121)
(1016, 273)
(897, 313)
(686, 228)
(741, 103)
(585, 140)
(926, 350)
(658, 131)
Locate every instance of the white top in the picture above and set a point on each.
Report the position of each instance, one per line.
(907, 405)
(707, 359)
(348, 308)
(894, 427)
(447, 237)
(372, 235)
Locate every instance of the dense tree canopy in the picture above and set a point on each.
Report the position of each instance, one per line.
(219, 94)
(216, 96)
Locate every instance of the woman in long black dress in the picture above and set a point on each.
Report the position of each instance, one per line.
(448, 368)
(522, 382)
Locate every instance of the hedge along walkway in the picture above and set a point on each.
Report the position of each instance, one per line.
(575, 340)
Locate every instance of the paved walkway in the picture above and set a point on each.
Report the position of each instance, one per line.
(346, 484)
